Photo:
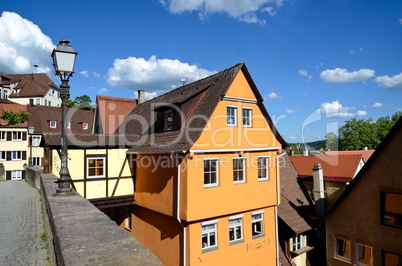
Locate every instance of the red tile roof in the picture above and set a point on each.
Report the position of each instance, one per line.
(31, 85)
(341, 168)
(366, 153)
(111, 112)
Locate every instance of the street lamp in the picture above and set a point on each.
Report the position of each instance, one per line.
(31, 130)
(63, 62)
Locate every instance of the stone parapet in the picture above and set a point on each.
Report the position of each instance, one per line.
(83, 235)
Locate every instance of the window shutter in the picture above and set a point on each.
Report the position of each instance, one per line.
(8, 175)
(8, 155)
(24, 155)
(24, 136)
(9, 133)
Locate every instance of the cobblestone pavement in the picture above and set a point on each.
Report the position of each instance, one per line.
(21, 225)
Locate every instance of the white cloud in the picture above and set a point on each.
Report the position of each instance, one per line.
(377, 105)
(273, 95)
(148, 95)
(400, 21)
(351, 52)
(290, 111)
(303, 72)
(341, 75)
(242, 10)
(394, 83)
(84, 73)
(96, 75)
(335, 109)
(22, 45)
(320, 65)
(361, 113)
(103, 91)
(153, 75)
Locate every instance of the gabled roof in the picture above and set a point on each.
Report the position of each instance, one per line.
(366, 153)
(30, 85)
(198, 100)
(42, 115)
(111, 112)
(97, 141)
(295, 207)
(340, 168)
(10, 106)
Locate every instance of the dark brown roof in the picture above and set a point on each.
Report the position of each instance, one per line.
(340, 168)
(30, 85)
(197, 100)
(79, 141)
(42, 115)
(111, 112)
(295, 208)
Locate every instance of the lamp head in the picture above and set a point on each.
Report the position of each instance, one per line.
(64, 59)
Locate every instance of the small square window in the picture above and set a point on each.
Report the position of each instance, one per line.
(235, 229)
(209, 238)
(36, 161)
(37, 101)
(85, 126)
(36, 141)
(17, 135)
(342, 249)
(231, 116)
(16, 155)
(363, 255)
(247, 117)
(391, 209)
(391, 259)
(298, 242)
(95, 167)
(257, 222)
(53, 124)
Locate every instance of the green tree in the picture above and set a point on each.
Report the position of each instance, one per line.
(81, 102)
(14, 118)
(331, 141)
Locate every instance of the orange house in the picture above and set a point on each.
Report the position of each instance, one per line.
(206, 174)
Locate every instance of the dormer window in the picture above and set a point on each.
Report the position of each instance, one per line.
(68, 124)
(168, 120)
(53, 124)
(85, 126)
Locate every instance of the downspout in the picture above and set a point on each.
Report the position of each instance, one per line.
(178, 210)
(278, 195)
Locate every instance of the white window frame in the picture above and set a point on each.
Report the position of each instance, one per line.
(257, 218)
(241, 179)
(36, 141)
(36, 161)
(336, 249)
(230, 116)
(259, 168)
(236, 226)
(3, 155)
(215, 184)
(53, 124)
(37, 101)
(209, 229)
(298, 242)
(85, 126)
(16, 174)
(357, 254)
(88, 167)
(17, 157)
(68, 124)
(3, 135)
(250, 113)
(16, 136)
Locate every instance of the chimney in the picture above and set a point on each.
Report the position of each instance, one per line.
(319, 192)
(305, 152)
(141, 96)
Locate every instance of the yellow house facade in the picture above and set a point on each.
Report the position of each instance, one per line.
(205, 173)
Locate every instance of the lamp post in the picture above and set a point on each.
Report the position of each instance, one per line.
(31, 130)
(63, 62)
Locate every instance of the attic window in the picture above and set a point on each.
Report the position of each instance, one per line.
(168, 120)
(85, 126)
(53, 124)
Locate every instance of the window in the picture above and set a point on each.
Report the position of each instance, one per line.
(95, 167)
(391, 209)
(53, 124)
(235, 229)
(36, 161)
(3, 155)
(238, 170)
(37, 101)
(49, 103)
(342, 249)
(209, 239)
(36, 141)
(391, 259)
(17, 135)
(263, 168)
(3, 135)
(128, 219)
(210, 172)
(363, 255)
(297, 242)
(85, 126)
(231, 116)
(45, 102)
(247, 117)
(68, 124)
(168, 120)
(16, 174)
(257, 222)
(16, 155)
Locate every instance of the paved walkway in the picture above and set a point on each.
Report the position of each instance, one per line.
(21, 225)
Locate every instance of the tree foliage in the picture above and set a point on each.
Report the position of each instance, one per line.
(83, 102)
(332, 141)
(14, 118)
(359, 133)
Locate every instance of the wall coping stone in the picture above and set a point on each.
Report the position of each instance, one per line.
(83, 235)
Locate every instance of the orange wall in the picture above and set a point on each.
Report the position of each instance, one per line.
(258, 251)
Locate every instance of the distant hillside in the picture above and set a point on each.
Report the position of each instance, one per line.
(311, 146)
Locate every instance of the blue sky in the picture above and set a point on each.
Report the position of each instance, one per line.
(316, 63)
